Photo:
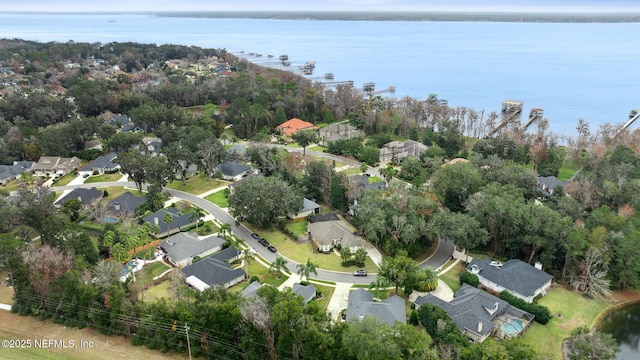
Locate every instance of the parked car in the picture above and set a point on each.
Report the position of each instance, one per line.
(263, 242)
(85, 176)
(255, 236)
(272, 248)
(360, 273)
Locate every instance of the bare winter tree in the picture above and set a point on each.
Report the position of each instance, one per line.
(257, 313)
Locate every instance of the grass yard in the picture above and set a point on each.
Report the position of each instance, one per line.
(102, 178)
(196, 185)
(565, 173)
(452, 277)
(104, 347)
(152, 270)
(219, 198)
(374, 179)
(6, 293)
(208, 228)
(351, 171)
(299, 252)
(327, 293)
(299, 228)
(65, 180)
(570, 310)
(157, 292)
(262, 272)
(12, 186)
(317, 148)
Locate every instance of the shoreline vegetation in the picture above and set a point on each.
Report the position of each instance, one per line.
(472, 16)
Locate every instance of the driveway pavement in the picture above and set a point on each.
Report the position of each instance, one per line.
(339, 300)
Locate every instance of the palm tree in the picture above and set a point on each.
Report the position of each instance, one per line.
(225, 229)
(307, 268)
(196, 215)
(278, 265)
(168, 219)
(248, 256)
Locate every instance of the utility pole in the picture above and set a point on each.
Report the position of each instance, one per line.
(186, 330)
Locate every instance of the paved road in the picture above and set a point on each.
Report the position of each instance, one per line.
(442, 254)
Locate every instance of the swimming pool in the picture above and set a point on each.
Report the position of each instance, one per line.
(513, 327)
(109, 220)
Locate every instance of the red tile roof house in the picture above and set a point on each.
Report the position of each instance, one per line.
(294, 125)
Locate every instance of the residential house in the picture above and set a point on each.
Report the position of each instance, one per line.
(238, 151)
(125, 205)
(326, 234)
(334, 132)
(12, 172)
(102, 164)
(233, 170)
(181, 248)
(358, 183)
(179, 221)
(187, 169)
(153, 146)
(389, 310)
(228, 254)
(48, 165)
(308, 208)
(294, 125)
(515, 276)
(479, 314)
(308, 292)
(397, 151)
(122, 123)
(88, 197)
(251, 291)
(548, 184)
(211, 272)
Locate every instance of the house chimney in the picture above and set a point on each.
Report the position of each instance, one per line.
(538, 265)
(155, 221)
(479, 327)
(117, 206)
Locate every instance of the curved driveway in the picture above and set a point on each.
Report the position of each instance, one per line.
(440, 257)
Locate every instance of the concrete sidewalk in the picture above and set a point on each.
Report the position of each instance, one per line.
(293, 279)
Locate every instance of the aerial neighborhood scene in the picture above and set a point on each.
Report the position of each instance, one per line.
(175, 201)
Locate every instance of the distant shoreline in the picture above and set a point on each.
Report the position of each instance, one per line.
(542, 17)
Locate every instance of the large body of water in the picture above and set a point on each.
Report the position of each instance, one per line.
(572, 70)
(624, 326)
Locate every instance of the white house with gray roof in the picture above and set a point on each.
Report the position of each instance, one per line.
(181, 248)
(251, 291)
(233, 170)
(12, 172)
(308, 292)
(308, 208)
(479, 314)
(87, 197)
(102, 164)
(389, 310)
(516, 276)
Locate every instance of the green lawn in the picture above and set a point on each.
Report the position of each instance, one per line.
(565, 173)
(208, 228)
(351, 171)
(65, 180)
(157, 291)
(219, 198)
(451, 277)
(12, 186)
(102, 178)
(299, 252)
(374, 179)
(152, 270)
(317, 148)
(327, 293)
(299, 228)
(6, 293)
(570, 310)
(196, 185)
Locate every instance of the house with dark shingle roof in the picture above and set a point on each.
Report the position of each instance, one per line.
(125, 204)
(12, 172)
(233, 170)
(389, 310)
(210, 272)
(88, 197)
(308, 292)
(179, 221)
(516, 276)
(479, 314)
(227, 254)
(102, 164)
(181, 248)
(547, 185)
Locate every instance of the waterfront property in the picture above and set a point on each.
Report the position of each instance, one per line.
(479, 314)
(516, 276)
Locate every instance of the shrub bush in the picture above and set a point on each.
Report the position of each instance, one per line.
(254, 278)
(413, 318)
(469, 278)
(542, 313)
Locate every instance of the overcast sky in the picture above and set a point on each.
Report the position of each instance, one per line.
(320, 5)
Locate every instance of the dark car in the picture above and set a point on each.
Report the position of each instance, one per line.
(360, 273)
(255, 236)
(263, 242)
(272, 248)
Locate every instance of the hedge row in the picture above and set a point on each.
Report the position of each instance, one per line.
(542, 313)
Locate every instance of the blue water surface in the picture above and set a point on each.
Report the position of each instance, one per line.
(572, 70)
